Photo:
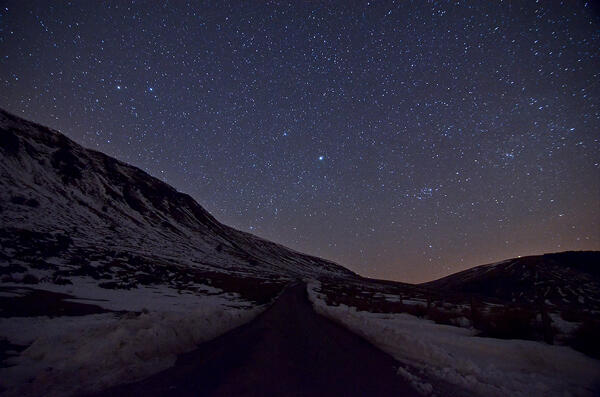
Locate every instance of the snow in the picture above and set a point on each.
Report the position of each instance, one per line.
(70, 355)
(11, 294)
(484, 366)
(414, 302)
(423, 388)
(461, 322)
(565, 327)
(155, 297)
(387, 297)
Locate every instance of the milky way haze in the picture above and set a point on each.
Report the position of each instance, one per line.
(405, 140)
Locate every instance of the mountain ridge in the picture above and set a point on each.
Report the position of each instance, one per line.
(54, 186)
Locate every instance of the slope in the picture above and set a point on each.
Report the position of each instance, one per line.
(561, 279)
(78, 212)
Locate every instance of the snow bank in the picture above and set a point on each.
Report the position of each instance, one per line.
(484, 366)
(71, 355)
(154, 297)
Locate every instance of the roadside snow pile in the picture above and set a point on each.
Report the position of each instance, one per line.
(484, 366)
(72, 355)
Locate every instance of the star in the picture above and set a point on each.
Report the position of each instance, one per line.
(237, 105)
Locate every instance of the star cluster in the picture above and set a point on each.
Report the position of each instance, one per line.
(405, 140)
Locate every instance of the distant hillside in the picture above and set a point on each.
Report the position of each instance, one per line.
(561, 279)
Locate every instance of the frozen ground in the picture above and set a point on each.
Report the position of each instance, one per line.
(484, 366)
(147, 330)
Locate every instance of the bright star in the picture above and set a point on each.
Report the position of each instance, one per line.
(321, 158)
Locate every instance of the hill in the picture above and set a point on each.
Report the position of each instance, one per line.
(69, 211)
(558, 279)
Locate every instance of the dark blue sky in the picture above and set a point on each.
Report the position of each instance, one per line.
(405, 140)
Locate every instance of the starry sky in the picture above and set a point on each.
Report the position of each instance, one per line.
(405, 140)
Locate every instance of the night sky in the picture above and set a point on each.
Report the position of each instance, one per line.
(405, 140)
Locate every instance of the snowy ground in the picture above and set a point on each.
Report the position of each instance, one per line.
(484, 366)
(147, 330)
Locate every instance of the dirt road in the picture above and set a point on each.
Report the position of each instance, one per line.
(289, 350)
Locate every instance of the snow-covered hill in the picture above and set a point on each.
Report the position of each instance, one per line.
(68, 211)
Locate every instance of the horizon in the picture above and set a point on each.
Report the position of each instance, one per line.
(399, 151)
(344, 265)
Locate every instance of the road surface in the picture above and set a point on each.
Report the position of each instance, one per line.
(289, 350)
